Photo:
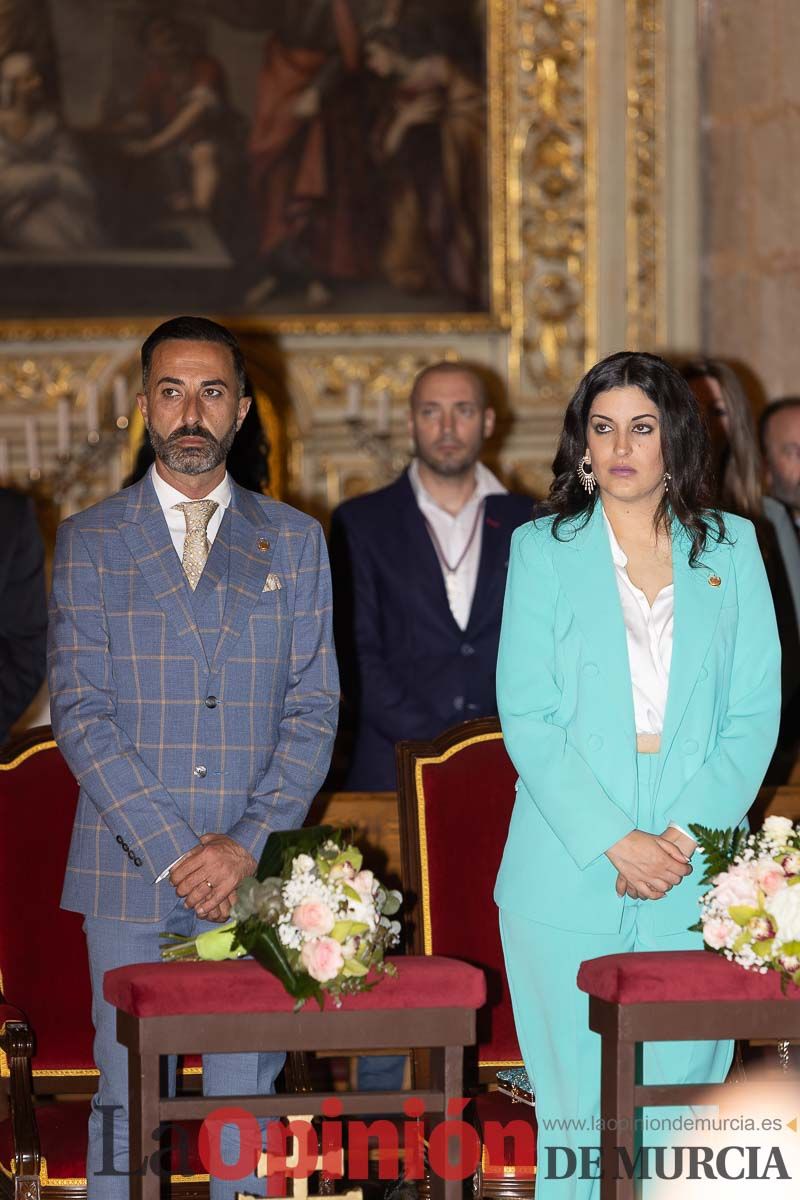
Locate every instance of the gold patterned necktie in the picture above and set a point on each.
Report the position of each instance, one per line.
(197, 514)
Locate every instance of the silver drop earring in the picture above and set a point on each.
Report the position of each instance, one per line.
(667, 478)
(586, 474)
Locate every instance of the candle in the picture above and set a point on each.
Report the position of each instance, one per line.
(92, 408)
(355, 391)
(383, 411)
(4, 463)
(32, 446)
(120, 387)
(63, 415)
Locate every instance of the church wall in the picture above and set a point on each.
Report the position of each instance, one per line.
(751, 182)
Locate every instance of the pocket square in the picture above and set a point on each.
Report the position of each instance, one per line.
(273, 583)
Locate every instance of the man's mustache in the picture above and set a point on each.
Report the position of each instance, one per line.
(191, 431)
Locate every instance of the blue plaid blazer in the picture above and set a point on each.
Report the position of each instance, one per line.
(174, 727)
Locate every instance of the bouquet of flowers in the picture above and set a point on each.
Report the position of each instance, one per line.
(751, 913)
(311, 916)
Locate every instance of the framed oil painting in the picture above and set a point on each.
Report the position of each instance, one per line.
(285, 161)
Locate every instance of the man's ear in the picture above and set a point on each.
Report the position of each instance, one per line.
(141, 400)
(242, 410)
(489, 421)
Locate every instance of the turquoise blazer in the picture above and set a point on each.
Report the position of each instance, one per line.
(566, 706)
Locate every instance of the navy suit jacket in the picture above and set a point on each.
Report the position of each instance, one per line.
(408, 670)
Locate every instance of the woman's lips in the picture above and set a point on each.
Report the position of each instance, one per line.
(623, 471)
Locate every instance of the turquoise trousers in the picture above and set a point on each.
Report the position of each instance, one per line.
(561, 1053)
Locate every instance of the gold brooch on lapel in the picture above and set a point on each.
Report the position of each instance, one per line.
(272, 583)
(714, 581)
(263, 544)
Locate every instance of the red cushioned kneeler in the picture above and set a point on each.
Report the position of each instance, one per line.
(184, 988)
(677, 976)
(673, 995)
(236, 1007)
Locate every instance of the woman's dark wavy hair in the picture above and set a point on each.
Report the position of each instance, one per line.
(685, 448)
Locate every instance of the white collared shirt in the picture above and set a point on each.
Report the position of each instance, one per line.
(453, 535)
(649, 636)
(169, 497)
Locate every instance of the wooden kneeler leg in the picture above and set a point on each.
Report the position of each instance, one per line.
(617, 1082)
(143, 1100)
(447, 1076)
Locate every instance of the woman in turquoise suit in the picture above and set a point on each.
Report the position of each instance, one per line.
(638, 689)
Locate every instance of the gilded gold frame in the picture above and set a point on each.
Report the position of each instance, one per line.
(499, 72)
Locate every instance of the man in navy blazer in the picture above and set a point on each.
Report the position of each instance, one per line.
(194, 694)
(419, 571)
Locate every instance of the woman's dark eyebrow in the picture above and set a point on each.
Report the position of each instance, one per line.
(652, 417)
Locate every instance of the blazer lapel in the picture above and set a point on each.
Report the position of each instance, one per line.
(146, 535)
(697, 609)
(586, 571)
(252, 540)
(424, 568)
(491, 572)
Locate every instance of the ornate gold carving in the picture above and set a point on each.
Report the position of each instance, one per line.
(548, 178)
(376, 371)
(41, 380)
(644, 221)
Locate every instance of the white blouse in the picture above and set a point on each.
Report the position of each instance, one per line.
(649, 636)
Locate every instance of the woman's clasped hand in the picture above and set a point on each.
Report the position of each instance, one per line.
(649, 865)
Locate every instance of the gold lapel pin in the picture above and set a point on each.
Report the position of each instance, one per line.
(714, 581)
(263, 544)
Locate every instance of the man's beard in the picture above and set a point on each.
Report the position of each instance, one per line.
(449, 468)
(191, 460)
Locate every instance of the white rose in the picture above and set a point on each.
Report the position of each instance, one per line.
(784, 906)
(778, 826)
(302, 864)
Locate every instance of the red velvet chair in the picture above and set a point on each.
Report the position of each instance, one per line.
(455, 799)
(45, 998)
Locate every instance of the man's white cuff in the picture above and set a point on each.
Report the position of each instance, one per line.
(167, 870)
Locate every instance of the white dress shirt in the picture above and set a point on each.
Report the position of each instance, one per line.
(453, 535)
(648, 630)
(649, 634)
(169, 497)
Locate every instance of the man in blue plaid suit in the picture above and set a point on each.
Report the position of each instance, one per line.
(194, 695)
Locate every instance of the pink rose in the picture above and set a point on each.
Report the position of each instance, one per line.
(736, 886)
(322, 958)
(771, 880)
(314, 918)
(363, 884)
(717, 932)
